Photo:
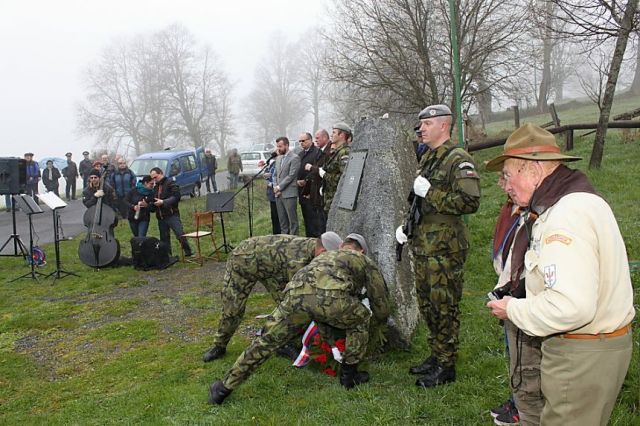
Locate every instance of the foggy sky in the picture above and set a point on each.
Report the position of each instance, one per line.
(46, 44)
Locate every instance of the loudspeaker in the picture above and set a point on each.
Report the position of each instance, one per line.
(13, 175)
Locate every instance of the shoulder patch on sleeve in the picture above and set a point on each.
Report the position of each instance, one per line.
(466, 164)
(558, 238)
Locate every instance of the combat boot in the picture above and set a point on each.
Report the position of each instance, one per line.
(438, 376)
(350, 376)
(288, 351)
(218, 393)
(424, 368)
(214, 353)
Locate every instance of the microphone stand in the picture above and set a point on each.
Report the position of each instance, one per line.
(15, 237)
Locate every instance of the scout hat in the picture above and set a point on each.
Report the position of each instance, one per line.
(344, 127)
(530, 142)
(434, 111)
(330, 241)
(360, 239)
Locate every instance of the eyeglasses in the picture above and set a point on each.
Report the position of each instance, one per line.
(303, 140)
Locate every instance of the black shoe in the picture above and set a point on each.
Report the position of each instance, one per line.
(218, 393)
(289, 352)
(350, 376)
(438, 376)
(214, 353)
(424, 368)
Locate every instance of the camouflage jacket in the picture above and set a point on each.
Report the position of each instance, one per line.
(275, 258)
(344, 271)
(334, 167)
(455, 191)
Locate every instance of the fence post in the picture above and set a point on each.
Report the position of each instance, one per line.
(568, 145)
(516, 116)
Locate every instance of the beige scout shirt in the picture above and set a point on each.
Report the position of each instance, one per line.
(577, 272)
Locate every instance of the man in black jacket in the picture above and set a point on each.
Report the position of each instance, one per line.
(167, 197)
(312, 216)
(70, 174)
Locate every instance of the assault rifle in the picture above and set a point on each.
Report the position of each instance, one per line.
(412, 221)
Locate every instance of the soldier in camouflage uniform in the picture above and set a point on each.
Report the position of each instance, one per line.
(447, 186)
(339, 289)
(270, 259)
(336, 164)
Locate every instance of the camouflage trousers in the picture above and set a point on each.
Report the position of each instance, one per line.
(329, 308)
(239, 280)
(439, 281)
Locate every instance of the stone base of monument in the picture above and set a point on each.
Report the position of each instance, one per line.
(371, 200)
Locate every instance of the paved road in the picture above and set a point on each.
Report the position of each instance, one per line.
(70, 221)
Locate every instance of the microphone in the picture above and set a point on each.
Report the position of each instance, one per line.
(274, 154)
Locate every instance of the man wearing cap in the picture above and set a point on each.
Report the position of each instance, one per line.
(447, 186)
(271, 260)
(212, 165)
(85, 167)
(92, 192)
(341, 290)
(70, 174)
(571, 256)
(335, 165)
(33, 176)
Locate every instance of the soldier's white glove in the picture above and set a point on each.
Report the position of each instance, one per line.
(321, 172)
(99, 193)
(401, 237)
(421, 186)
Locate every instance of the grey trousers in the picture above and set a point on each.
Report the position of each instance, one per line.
(288, 214)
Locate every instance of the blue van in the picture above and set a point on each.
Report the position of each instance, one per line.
(185, 167)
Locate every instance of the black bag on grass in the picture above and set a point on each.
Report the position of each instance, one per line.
(150, 253)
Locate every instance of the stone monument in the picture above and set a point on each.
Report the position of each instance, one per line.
(372, 200)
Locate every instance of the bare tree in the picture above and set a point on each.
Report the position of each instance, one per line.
(313, 76)
(277, 100)
(222, 115)
(599, 21)
(593, 83)
(635, 84)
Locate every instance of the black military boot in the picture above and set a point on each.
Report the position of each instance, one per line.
(218, 393)
(425, 367)
(350, 376)
(288, 351)
(438, 376)
(214, 353)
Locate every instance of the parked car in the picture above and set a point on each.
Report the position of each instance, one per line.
(183, 166)
(263, 147)
(253, 162)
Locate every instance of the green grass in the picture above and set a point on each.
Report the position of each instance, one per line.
(118, 346)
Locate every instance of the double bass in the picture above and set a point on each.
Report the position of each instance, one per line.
(99, 248)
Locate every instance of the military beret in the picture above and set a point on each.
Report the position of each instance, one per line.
(330, 240)
(360, 239)
(344, 127)
(434, 111)
(85, 152)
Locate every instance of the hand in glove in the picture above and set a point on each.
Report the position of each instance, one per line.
(321, 172)
(401, 237)
(99, 193)
(421, 186)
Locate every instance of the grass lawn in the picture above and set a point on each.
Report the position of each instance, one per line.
(123, 346)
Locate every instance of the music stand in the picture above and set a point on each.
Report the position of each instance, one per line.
(222, 202)
(29, 207)
(55, 203)
(15, 237)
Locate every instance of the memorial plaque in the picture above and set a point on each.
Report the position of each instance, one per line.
(352, 177)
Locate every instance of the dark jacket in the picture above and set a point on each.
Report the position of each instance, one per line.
(313, 179)
(307, 157)
(122, 181)
(85, 167)
(71, 171)
(33, 172)
(51, 183)
(134, 197)
(212, 164)
(108, 198)
(167, 191)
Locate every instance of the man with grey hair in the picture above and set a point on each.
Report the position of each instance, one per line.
(446, 187)
(570, 258)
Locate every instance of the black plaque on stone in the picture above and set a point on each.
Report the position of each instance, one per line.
(352, 177)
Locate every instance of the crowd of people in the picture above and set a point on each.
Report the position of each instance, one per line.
(563, 292)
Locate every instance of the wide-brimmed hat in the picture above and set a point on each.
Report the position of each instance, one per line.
(530, 142)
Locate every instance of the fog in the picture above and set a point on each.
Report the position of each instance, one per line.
(45, 46)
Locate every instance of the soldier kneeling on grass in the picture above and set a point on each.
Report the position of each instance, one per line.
(271, 260)
(340, 289)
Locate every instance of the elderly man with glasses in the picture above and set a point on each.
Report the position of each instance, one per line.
(312, 215)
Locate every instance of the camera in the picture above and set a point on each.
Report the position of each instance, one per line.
(499, 292)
